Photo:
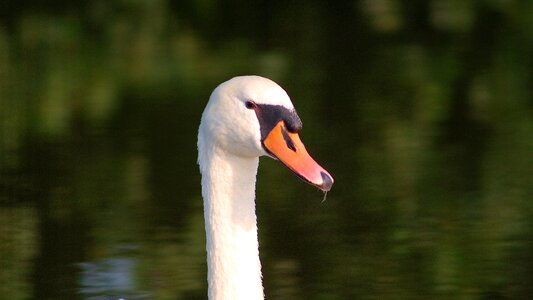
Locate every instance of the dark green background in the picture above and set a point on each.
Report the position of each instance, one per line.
(421, 110)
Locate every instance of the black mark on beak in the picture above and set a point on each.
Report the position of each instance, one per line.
(288, 140)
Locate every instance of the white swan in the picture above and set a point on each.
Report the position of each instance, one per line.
(246, 117)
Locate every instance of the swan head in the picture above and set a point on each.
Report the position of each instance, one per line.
(252, 116)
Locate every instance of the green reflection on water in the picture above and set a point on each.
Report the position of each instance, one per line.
(422, 111)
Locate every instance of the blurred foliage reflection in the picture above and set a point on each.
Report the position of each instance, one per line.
(422, 110)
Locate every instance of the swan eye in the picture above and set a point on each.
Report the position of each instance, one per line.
(250, 104)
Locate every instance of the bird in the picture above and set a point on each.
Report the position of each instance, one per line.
(245, 118)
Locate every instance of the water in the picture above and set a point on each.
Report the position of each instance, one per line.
(421, 112)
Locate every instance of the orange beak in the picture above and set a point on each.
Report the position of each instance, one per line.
(289, 149)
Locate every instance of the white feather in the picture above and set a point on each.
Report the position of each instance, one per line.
(229, 146)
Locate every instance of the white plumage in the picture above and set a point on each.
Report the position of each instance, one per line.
(229, 146)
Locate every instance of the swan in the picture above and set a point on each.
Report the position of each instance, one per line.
(246, 117)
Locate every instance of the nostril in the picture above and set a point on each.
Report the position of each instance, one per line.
(288, 140)
(327, 181)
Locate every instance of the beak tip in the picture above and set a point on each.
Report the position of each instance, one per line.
(327, 181)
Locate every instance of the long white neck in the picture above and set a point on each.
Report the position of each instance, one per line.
(228, 189)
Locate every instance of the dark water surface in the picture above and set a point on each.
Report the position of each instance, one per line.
(422, 111)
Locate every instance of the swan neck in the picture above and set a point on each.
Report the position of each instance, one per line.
(228, 189)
